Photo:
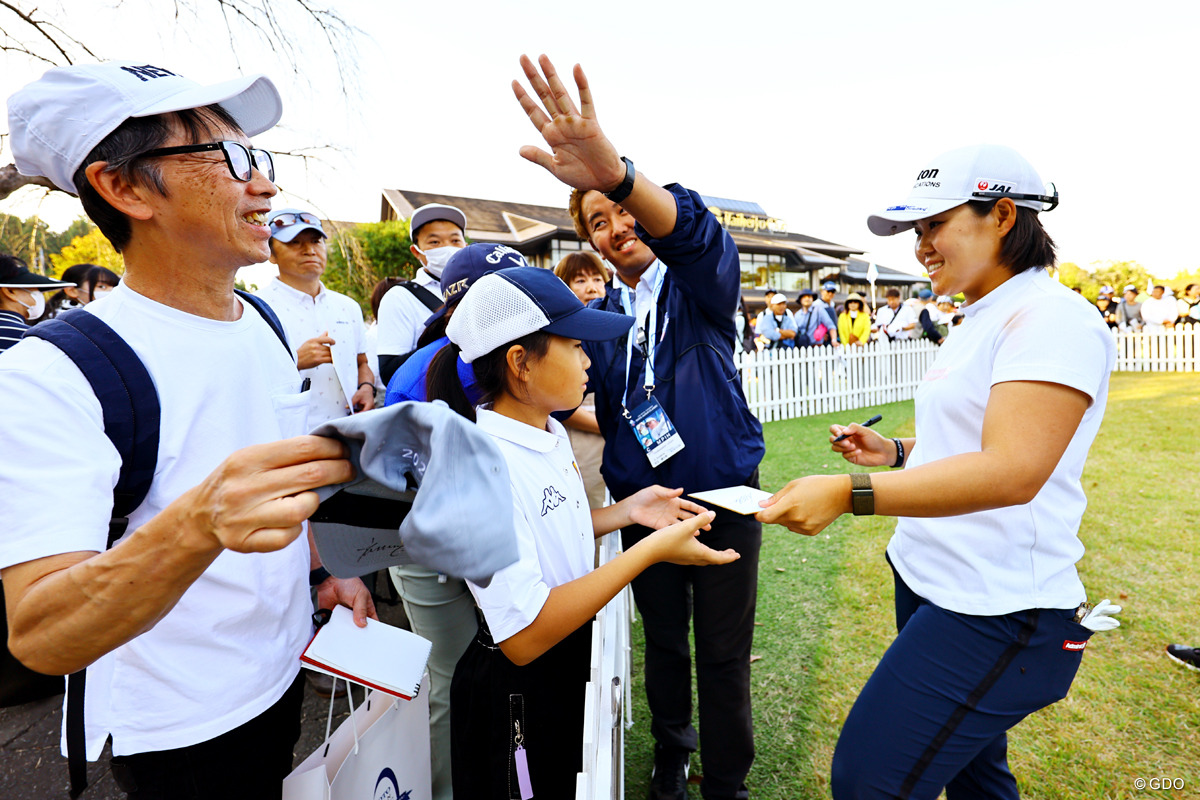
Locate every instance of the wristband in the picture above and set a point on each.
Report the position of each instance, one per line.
(318, 576)
(862, 495)
(899, 454)
(367, 383)
(624, 187)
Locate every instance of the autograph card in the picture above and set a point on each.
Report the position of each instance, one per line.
(739, 499)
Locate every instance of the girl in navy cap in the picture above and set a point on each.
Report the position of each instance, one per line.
(517, 696)
(989, 605)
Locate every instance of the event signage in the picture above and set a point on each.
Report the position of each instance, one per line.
(753, 223)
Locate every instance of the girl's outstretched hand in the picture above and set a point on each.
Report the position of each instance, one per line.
(657, 507)
(677, 544)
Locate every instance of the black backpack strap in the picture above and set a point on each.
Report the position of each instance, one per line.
(130, 408)
(127, 396)
(428, 298)
(268, 314)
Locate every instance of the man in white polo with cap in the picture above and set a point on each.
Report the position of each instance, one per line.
(437, 231)
(191, 624)
(324, 328)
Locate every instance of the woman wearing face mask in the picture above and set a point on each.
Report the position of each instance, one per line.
(21, 298)
(71, 296)
(98, 283)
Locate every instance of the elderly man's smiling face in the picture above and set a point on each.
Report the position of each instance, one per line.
(206, 209)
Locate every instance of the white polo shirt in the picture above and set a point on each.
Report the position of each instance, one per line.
(555, 538)
(1030, 328)
(305, 317)
(402, 316)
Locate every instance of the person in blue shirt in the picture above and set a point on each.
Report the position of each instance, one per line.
(679, 277)
(776, 324)
(813, 321)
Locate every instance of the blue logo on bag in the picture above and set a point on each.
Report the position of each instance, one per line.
(388, 788)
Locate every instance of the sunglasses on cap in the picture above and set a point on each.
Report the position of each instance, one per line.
(239, 158)
(287, 219)
(1049, 199)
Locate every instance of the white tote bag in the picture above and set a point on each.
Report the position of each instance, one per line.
(381, 753)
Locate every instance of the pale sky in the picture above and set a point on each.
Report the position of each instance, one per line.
(821, 115)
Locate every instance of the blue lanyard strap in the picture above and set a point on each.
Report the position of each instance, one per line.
(651, 338)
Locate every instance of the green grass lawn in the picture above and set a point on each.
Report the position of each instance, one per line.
(825, 615)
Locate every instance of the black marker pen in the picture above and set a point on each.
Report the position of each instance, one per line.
(866, 424)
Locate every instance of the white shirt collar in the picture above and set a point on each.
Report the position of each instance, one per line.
(519, 433)
(1008, 292)
(296, 294)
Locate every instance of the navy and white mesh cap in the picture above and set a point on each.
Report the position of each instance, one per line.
(952, 179)
(58, 119)
(503, 306)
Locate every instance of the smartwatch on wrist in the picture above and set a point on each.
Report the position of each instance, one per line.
(626, 186)
(862, 495)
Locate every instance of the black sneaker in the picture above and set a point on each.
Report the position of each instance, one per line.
(1188, 656)
(668, 781)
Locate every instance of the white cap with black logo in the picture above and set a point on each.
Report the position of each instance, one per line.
(979, 172)
(58, 119)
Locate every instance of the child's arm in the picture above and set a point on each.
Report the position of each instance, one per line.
(653, 507)
(572, 604)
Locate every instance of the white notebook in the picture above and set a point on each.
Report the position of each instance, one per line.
(380, 656)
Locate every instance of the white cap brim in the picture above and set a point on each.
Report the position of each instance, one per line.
(252, 101)
(897, 219)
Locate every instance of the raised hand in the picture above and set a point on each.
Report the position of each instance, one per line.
(582, 156)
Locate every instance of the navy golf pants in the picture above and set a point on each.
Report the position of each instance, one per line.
(936, 710)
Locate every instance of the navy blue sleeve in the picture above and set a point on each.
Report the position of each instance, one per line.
(700, 256)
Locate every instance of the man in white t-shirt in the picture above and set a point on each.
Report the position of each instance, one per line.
(896, 320)
(324, 328)
(438, 231)
(190, 627)
(1158, 312)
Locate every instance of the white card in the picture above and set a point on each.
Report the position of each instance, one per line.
(739, 499)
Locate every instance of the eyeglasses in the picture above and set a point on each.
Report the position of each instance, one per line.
(1049, 199)
(238, 158)
(284, 220)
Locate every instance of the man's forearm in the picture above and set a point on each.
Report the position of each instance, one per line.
(66, 611)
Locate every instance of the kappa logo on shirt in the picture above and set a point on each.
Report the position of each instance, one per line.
(551, 499)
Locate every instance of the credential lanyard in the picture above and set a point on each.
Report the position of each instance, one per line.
(651, 341)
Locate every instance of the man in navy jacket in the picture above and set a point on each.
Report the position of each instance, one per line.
(678, 274)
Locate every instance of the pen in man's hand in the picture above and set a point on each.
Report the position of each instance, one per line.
(866, 424)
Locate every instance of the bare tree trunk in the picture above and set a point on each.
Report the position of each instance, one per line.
(11, 180)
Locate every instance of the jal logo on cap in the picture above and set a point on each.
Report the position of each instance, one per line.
(147, 72)
(985, 185)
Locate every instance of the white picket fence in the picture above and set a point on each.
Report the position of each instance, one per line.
(606, 704)
(801, 381)
(1174, 350)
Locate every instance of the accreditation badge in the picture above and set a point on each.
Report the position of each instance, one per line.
(654, 432)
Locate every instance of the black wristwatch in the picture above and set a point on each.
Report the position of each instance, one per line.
(626, 186)
(862, 496)
(318, 576)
